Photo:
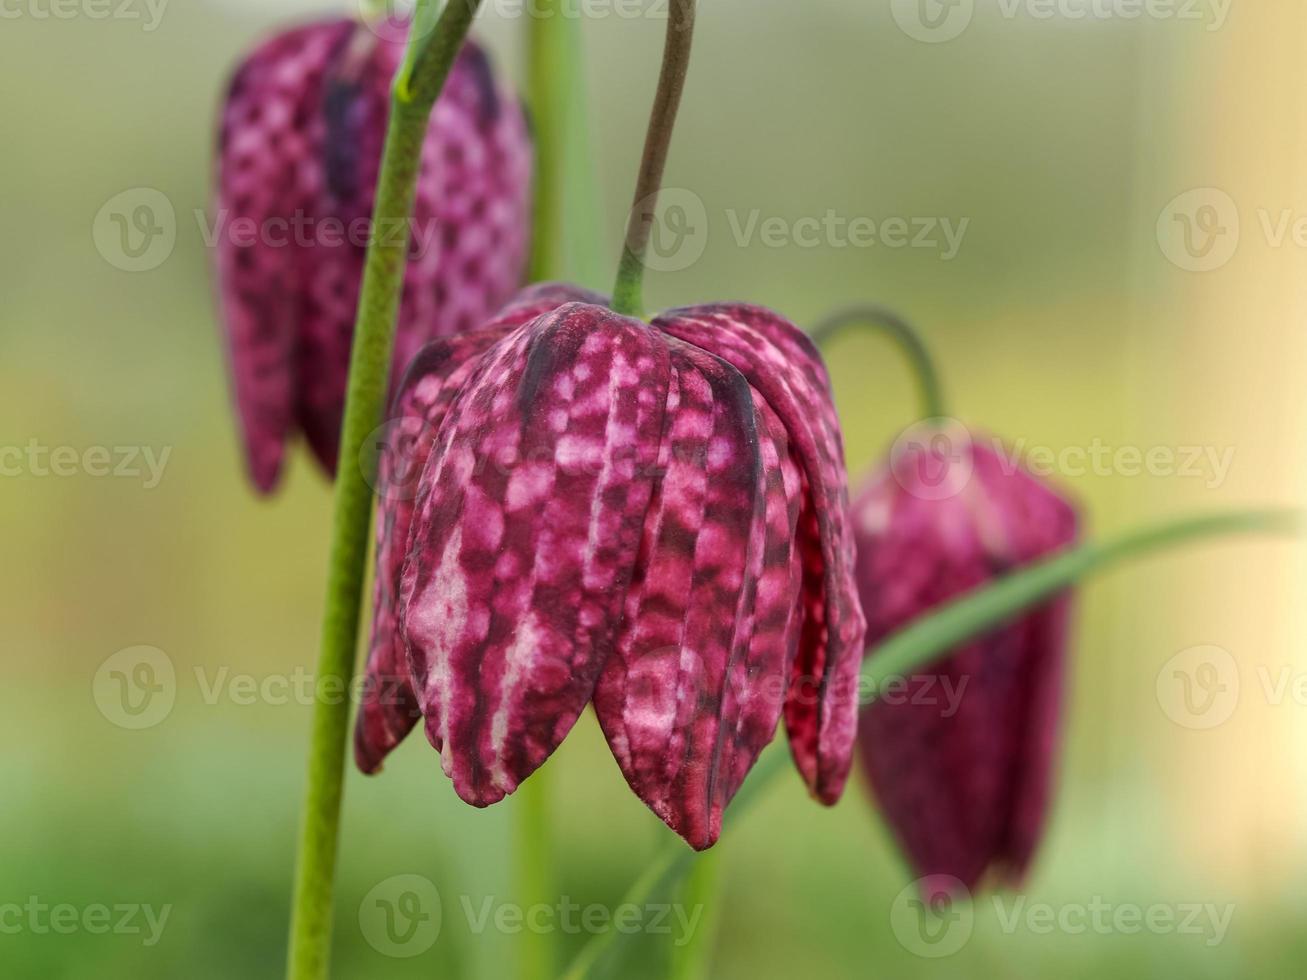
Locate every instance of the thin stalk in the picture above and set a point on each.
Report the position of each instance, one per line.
(418, 84)
(628, 293)
(534, 872)
(566, 233)
(936, 633)
(905, 335)
(548, 97)
(700, 903)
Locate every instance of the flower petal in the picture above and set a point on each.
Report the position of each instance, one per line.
(390, 708)
(268, 169)
(467, 234)
(534, 498)
(781, 363)
(694, 689)
(961, 765)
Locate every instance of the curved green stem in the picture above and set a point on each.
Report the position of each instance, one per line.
(417, 86)
(906, 336)
(934, 635)
(938, 632)
(628, 293)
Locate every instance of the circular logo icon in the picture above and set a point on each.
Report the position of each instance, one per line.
(678, 229)
(136, 687)
(1199, 230)
(389, 19)
(135, 230)
(932, 459)
(400, 917)
(1199, 687)
(388, 457)
(933, 21)
(933, 917)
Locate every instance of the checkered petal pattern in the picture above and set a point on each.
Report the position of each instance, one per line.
(299, 151)
(961, 761)
(612, 513)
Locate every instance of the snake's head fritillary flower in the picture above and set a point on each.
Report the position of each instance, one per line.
(960, 757)
(299, 151)
(649, 518)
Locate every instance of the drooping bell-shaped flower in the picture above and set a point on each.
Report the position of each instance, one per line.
(960, 756)
(299, 151)
(649, 518)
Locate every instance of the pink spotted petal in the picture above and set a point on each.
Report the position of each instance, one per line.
(269, 168)
(299, 152)
(525, 540)
(390, 706)
(962, 761)
(694, 690)
(780, 362)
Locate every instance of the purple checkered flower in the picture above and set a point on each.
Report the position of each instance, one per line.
(960, 758)
(299, 152)
(649, 518)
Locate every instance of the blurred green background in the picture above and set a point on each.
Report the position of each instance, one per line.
(1062, 321)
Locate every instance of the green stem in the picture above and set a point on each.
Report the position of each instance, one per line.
(936, 633)
(418, 84)
(926, 640)
(547, 92)
(699, 903)
(533, 850)
(628, 293)
(908, 339)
